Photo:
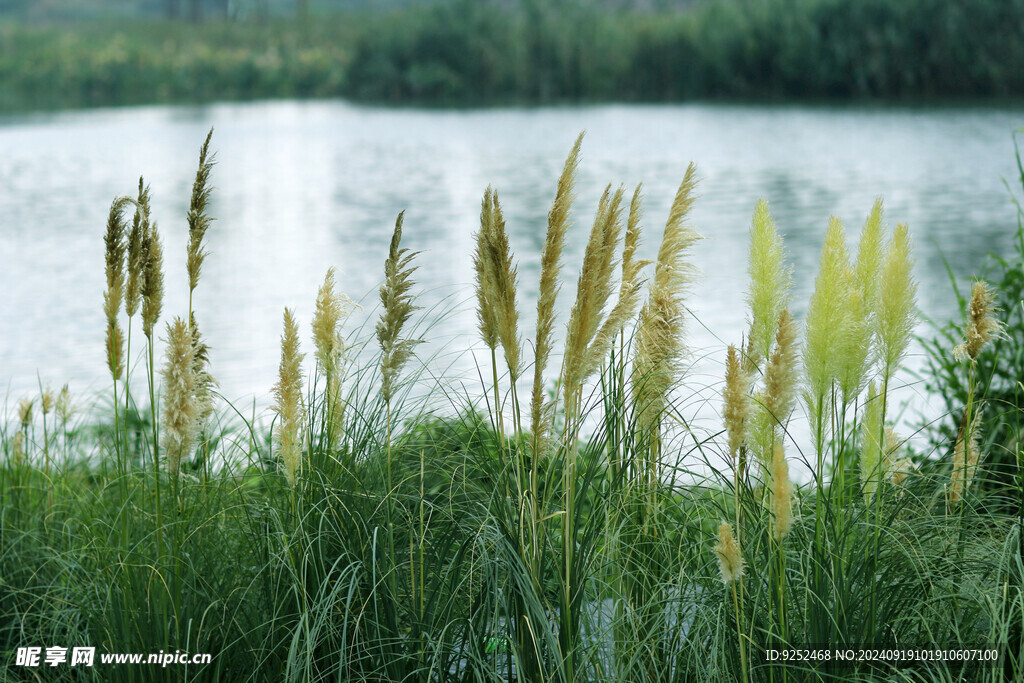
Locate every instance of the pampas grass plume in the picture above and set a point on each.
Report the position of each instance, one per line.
(64, 406)
(288, 398)
(136, 251)
(869, 256)
(982, 327)
(114, 243)
(198, 221)
(331, 310)
(735, 404)
(205, 383)
(593, 289)
(179, 425)
(896, 306)
(827, 316)
(630, 289)
(853, 349)
(496, 284)
(153, 281)
(485, 310)
(730, 556)
(782, 372)
(25, 412)
(770, 281)
(550, 265)
(659, 345)
(397, 308)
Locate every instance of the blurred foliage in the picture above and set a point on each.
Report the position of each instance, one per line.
(468, 52)
(1000, 373)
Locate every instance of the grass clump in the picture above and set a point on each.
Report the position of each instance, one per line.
(611, 534)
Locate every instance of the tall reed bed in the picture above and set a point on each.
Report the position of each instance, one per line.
(594, 530)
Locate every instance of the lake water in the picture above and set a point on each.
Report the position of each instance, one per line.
(304, 186)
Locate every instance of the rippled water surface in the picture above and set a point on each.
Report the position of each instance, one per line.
(301, 187)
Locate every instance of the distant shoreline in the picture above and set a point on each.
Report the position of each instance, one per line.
(461, 54)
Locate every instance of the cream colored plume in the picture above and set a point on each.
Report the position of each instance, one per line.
(981, 326)
(331, 311)
(180, 421)
(550, 265)
(593, 290)
(659, 341)
(496, 284)
(288, 399)
(736, 405)
(730, 556)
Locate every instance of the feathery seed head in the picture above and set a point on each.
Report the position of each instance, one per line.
(485, 294)
(550, 265)
(115, 350)
(114, 242)
(136, 251)
(198, 221)
(496, 285)
(630, 288)
(781, 494)
(153, 280)
(180, 411)
(593, 289)
(981, 327)
(331, 311)
(828, 314)
(781, 372)
(896, 305)
(730, 556)
(770, 280)
(205, 383)
(398, 306)
(25, 412)
(46, 400)
(64, 407)
(853, 350)
(736, 402)
(869, 256)
(659, 345)
(288, 398)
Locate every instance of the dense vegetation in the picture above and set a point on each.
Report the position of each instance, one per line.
(587, 530)
(529, 51)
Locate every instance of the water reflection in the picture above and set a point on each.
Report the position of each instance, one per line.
(304, 186)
